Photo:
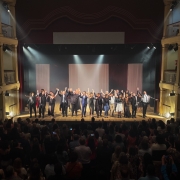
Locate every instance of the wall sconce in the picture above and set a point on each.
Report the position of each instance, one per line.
(6, 93)
(172, 93)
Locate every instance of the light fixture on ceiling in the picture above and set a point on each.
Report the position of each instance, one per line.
(5, 5)
(173, 5)
(175, 47)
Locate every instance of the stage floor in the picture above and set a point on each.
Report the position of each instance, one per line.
(59, 117)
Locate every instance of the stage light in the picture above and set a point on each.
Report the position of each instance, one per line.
(25, 46)
(5, 5)
(154, 47)
(173, 5)
(100, 59)
(77, 59)
(167, 115)
(148, 47)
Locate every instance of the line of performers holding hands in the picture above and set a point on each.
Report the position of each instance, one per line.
(115, 101)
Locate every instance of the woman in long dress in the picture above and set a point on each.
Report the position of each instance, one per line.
(119, 105)
(126, 106)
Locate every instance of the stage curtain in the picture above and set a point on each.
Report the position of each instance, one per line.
(42, 76)
(92, 76)
(134, 77)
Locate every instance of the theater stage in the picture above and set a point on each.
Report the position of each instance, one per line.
(59, 117)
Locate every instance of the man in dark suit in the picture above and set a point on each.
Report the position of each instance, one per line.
(64, 102)
(98, 105)
(74, 100)
(134, 103)
(84, 103)
(42, 103)
(32, 103)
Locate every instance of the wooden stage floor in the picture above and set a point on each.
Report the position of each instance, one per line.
(59, 117)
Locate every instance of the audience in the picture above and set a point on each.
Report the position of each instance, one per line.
(39, 150)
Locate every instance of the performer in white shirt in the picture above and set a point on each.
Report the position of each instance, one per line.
(145, 100)
(112, 104)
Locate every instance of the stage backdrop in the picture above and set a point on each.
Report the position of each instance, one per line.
(92, 76)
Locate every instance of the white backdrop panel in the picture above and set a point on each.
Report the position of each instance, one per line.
(92, 76)
(42, 76)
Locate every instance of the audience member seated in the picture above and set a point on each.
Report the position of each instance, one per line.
(121, 168)
(19, 169)
(144, 148)
(83, 152)
(116, 154)
(100, 130)
(118, 142)
(150, 173)
(73, 168)
(158, 148)
(11, 174)
(167, 163)
(74, 143)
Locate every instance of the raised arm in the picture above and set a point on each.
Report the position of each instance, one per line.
(110, 92)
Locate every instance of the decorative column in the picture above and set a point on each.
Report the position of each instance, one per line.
(1, 66)
(167, 7)
(177, 102)
(164, 61)
(15, 62)
(12, 19)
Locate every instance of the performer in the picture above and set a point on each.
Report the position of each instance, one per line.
(91, 103)
(106, 105)
(145, 100)
(74, 101)
(126, 106)
(42, 103)
(134, 103)
(64, 102)
(98, 105)
(51, 99)
(112, 103)
(84, 103)
(119, 105)
(32, 103)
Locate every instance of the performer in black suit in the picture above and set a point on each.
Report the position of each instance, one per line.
(32, 103)
(91, 103)
(134, 103)
(64, 102)
(84, 103)
(42, 103)
(74, 101)
(98, 105)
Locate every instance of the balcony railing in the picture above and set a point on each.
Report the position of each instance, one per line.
(173, 29)
(170, 76)
(6, 30)
(9, 76)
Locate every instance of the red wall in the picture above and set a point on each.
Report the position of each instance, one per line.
(139, 19)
